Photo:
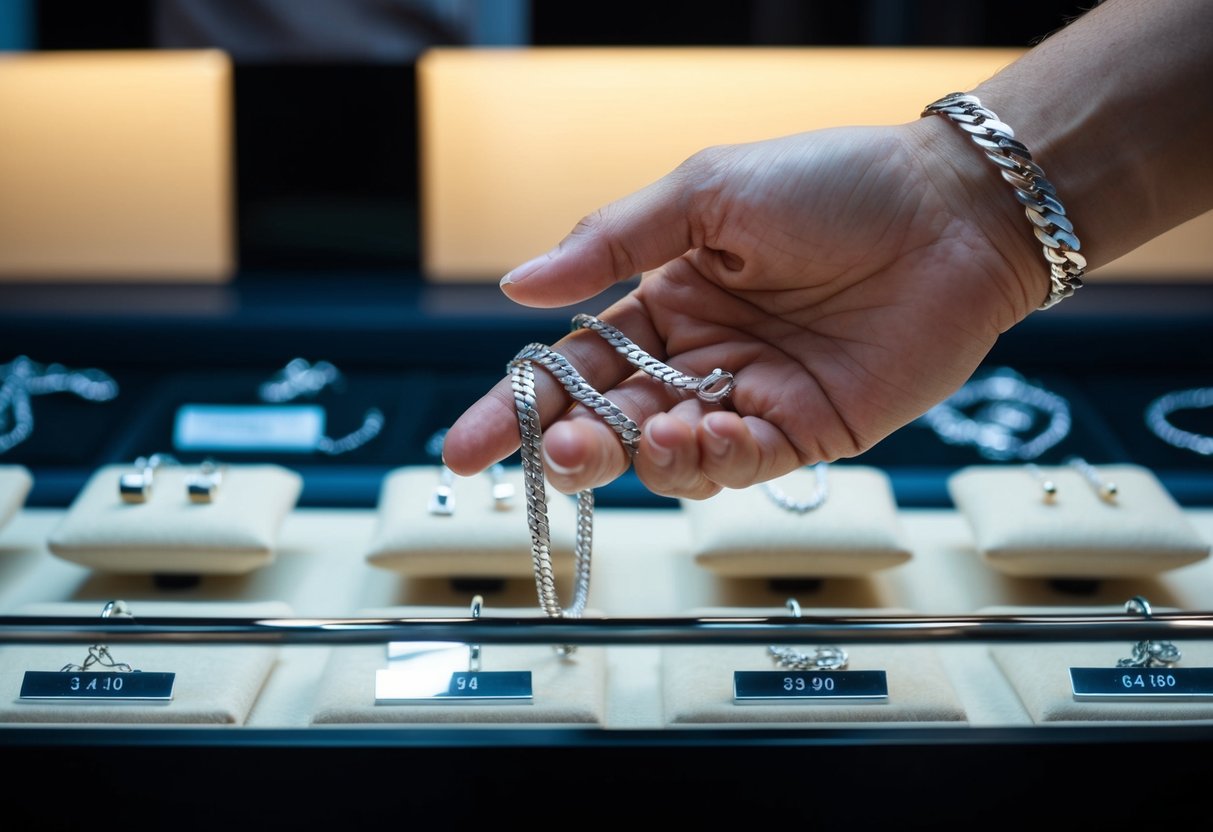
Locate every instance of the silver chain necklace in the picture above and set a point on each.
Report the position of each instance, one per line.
(21, 379)
(301, 378)
(711, 388)
(1162, 407)
(1007, 406)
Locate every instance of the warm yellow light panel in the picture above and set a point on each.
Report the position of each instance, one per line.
(517, 145)
(116, 166)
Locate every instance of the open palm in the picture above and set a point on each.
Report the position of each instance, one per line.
(849, 278)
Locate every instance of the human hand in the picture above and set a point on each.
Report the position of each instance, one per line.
(850, 279)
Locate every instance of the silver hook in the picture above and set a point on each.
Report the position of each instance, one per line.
(822, 658)
(715, 386)
(1148, 653)
(474, 649)
(99, 654)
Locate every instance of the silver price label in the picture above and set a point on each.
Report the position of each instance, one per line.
(1153, 684)
(87, 685)
(783, 686)
(464, 687)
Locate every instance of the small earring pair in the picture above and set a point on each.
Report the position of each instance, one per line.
(1105, 489)
(201, 487)
(442, 499)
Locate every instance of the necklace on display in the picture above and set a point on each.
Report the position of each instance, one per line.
(1159, 411)
(22, 379)
(814, 501)
(1007, 409)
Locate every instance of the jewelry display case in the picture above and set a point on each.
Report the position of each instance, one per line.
(957, 639)
(237, 582)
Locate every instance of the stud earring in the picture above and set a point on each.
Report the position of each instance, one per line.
(136, 486)
(1105, 489)
(203, 486)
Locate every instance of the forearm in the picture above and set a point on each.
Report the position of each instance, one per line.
(1116, 109)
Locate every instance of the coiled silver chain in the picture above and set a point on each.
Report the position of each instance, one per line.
(1166, 404)
(711, 388)
(22, 378)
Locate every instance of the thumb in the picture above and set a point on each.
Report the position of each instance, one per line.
(626, 237)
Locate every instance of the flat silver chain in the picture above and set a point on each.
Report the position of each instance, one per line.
(711, 388)
(1162, 407)
(531, 434)
(522, 379)
(583, 392)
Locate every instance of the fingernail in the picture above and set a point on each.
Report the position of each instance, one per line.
(717, 444)
(557, 468)
(658, 453)
(521, 273)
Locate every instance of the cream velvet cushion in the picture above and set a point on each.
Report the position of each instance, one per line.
(697, 682)
(566, 690)
(15, 483)
(214, 684)
(235, 534)
(476, 540)
(1078, 535)
(1040, 675)
(743, 533)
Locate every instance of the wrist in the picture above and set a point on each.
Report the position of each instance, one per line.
(1043, 208)
(971, 185)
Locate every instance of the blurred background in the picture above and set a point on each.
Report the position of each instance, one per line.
(324, 127)
(285, 168)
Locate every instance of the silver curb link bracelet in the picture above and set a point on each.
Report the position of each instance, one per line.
(1036, 193)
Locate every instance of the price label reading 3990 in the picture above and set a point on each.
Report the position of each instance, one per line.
(759, 686)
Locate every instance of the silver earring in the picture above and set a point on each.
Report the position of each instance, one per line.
(1047, 486)
(203, 486)
(1105, 489)
(136, 486)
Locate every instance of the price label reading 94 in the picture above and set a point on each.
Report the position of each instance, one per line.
(775, 686)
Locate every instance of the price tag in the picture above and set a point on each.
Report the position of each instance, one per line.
(86, 685)
(428, 672)
(782, 686)
(228, 428)
(1152, 684)
(465, 687)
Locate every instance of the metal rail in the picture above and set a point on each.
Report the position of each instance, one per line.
(828, 629)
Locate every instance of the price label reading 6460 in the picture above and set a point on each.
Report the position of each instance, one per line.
(1145, 684)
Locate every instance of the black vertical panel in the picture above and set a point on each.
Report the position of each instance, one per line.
(71, 24)
(800, 22)
(326, 165)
